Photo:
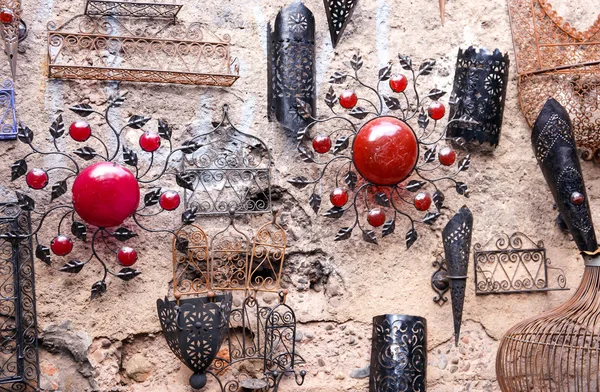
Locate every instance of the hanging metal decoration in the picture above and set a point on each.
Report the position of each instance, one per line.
(129, 41)
(339, 13)
(514, 264)
(480, 84)
(13, 30)
(558, 349)
(19, 364)
(556, 60)
(97, 200)
(291, 66)
(398, 354)
(8, 122)
(375, 164)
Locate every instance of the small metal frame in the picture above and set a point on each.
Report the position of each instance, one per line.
(19, 364)
(339, 13)
(398, 354)
(8, 121)
(514, 264)
(230, 171)
(291, 66)
(133, 8)
(480, 83)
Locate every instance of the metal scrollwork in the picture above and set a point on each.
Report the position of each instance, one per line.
(149, 8)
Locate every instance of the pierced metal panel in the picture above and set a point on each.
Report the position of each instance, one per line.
(147, 8)
(8, 121)
(339, 13)
(12, 32)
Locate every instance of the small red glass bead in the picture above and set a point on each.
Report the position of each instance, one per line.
(338, 197)
(37, 178)
(61, 245)
(169, 200)
(422, 201)
(348, 99)
(6, 16)
(436, 110)
(376, 217)
(577, 198)
(127, 256)
(149, 141)
(398, 83)
(322, 144)
(80, 131)
(447, 156)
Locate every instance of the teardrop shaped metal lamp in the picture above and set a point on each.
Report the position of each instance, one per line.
(339, 13)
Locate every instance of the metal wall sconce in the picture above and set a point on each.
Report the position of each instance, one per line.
(291, 66)
(339, 13)
(479, 92)
(106, 44)
(452, 271)
(13, 30)
(514, 264)
(19, 344)
(398, 354)
(8, 122)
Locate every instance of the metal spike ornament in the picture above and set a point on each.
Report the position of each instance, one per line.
(98, 199)
(339, 13)
(379, 166)
(12, 29)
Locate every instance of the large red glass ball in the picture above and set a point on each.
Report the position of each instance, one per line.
(398, 83)
(436, 110)
(447, 156)
(149, 141)
(80, 131)
(376, 217)
(385, 150)
(6, 16)
(348, 99)
(338, 197)
(105, 194)
(61, 245)
(37, 179)
(127, 256)
(169, 200)
(422, 201)
(322, 144)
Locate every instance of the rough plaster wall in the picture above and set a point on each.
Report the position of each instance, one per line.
(114, 343)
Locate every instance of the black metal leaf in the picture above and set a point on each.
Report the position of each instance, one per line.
(79, 230)
(430, 154)
(25, 134)
(369, 236)
(341, 144)
(98, 289)
(185, 180)
(129, 156)
(182, 244)
(431, 217)
(189, 216)
(466, 121)
(301, 134)
(357, 62)
(25, 202)
(414, 185)
(58, 189)
(127, 274)
(307, 155)
(343, 234)
(43, 253)
(304, 109)
(405, 62)
(464, 163)
(423, 119)
(85, 153)
(72, 267)
(137, 122)
(190, 146)
(438, 199)
(435, 94)
(83, 109)
(382, 199)
(57, 128)
(338, 78)
(152, 198)
(385, 73)
(123, 234)
(164, 130)
(299, 182)
(18, 169)
(392, 102)
(350, 179)
(411, 237)
(330, 97)
(426, 67)
(117, 100)
(462, 189)
(315, 202)
(388, 227)
(334, 213)
(359, 112)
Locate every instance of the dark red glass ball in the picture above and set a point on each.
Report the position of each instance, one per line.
(127, 256)
(37, 179)
(322, 144)
(348, 99)
(169, 200)
(385, 150)
(376, 217)
(398, 83)
(80, 131)
(6, 16)
(447, 156)
(422, 201)
(105, 194)
(149, 141)
(436, 110)
(61, 245)
(577, 198)
(338, 197)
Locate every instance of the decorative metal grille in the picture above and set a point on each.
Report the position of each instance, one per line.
(147, 8)
(8, 121)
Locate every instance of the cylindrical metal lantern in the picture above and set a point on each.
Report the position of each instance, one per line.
(479, 93)
(398, 354)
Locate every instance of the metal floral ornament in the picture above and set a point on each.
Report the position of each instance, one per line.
(102, 199)
(381, 167)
